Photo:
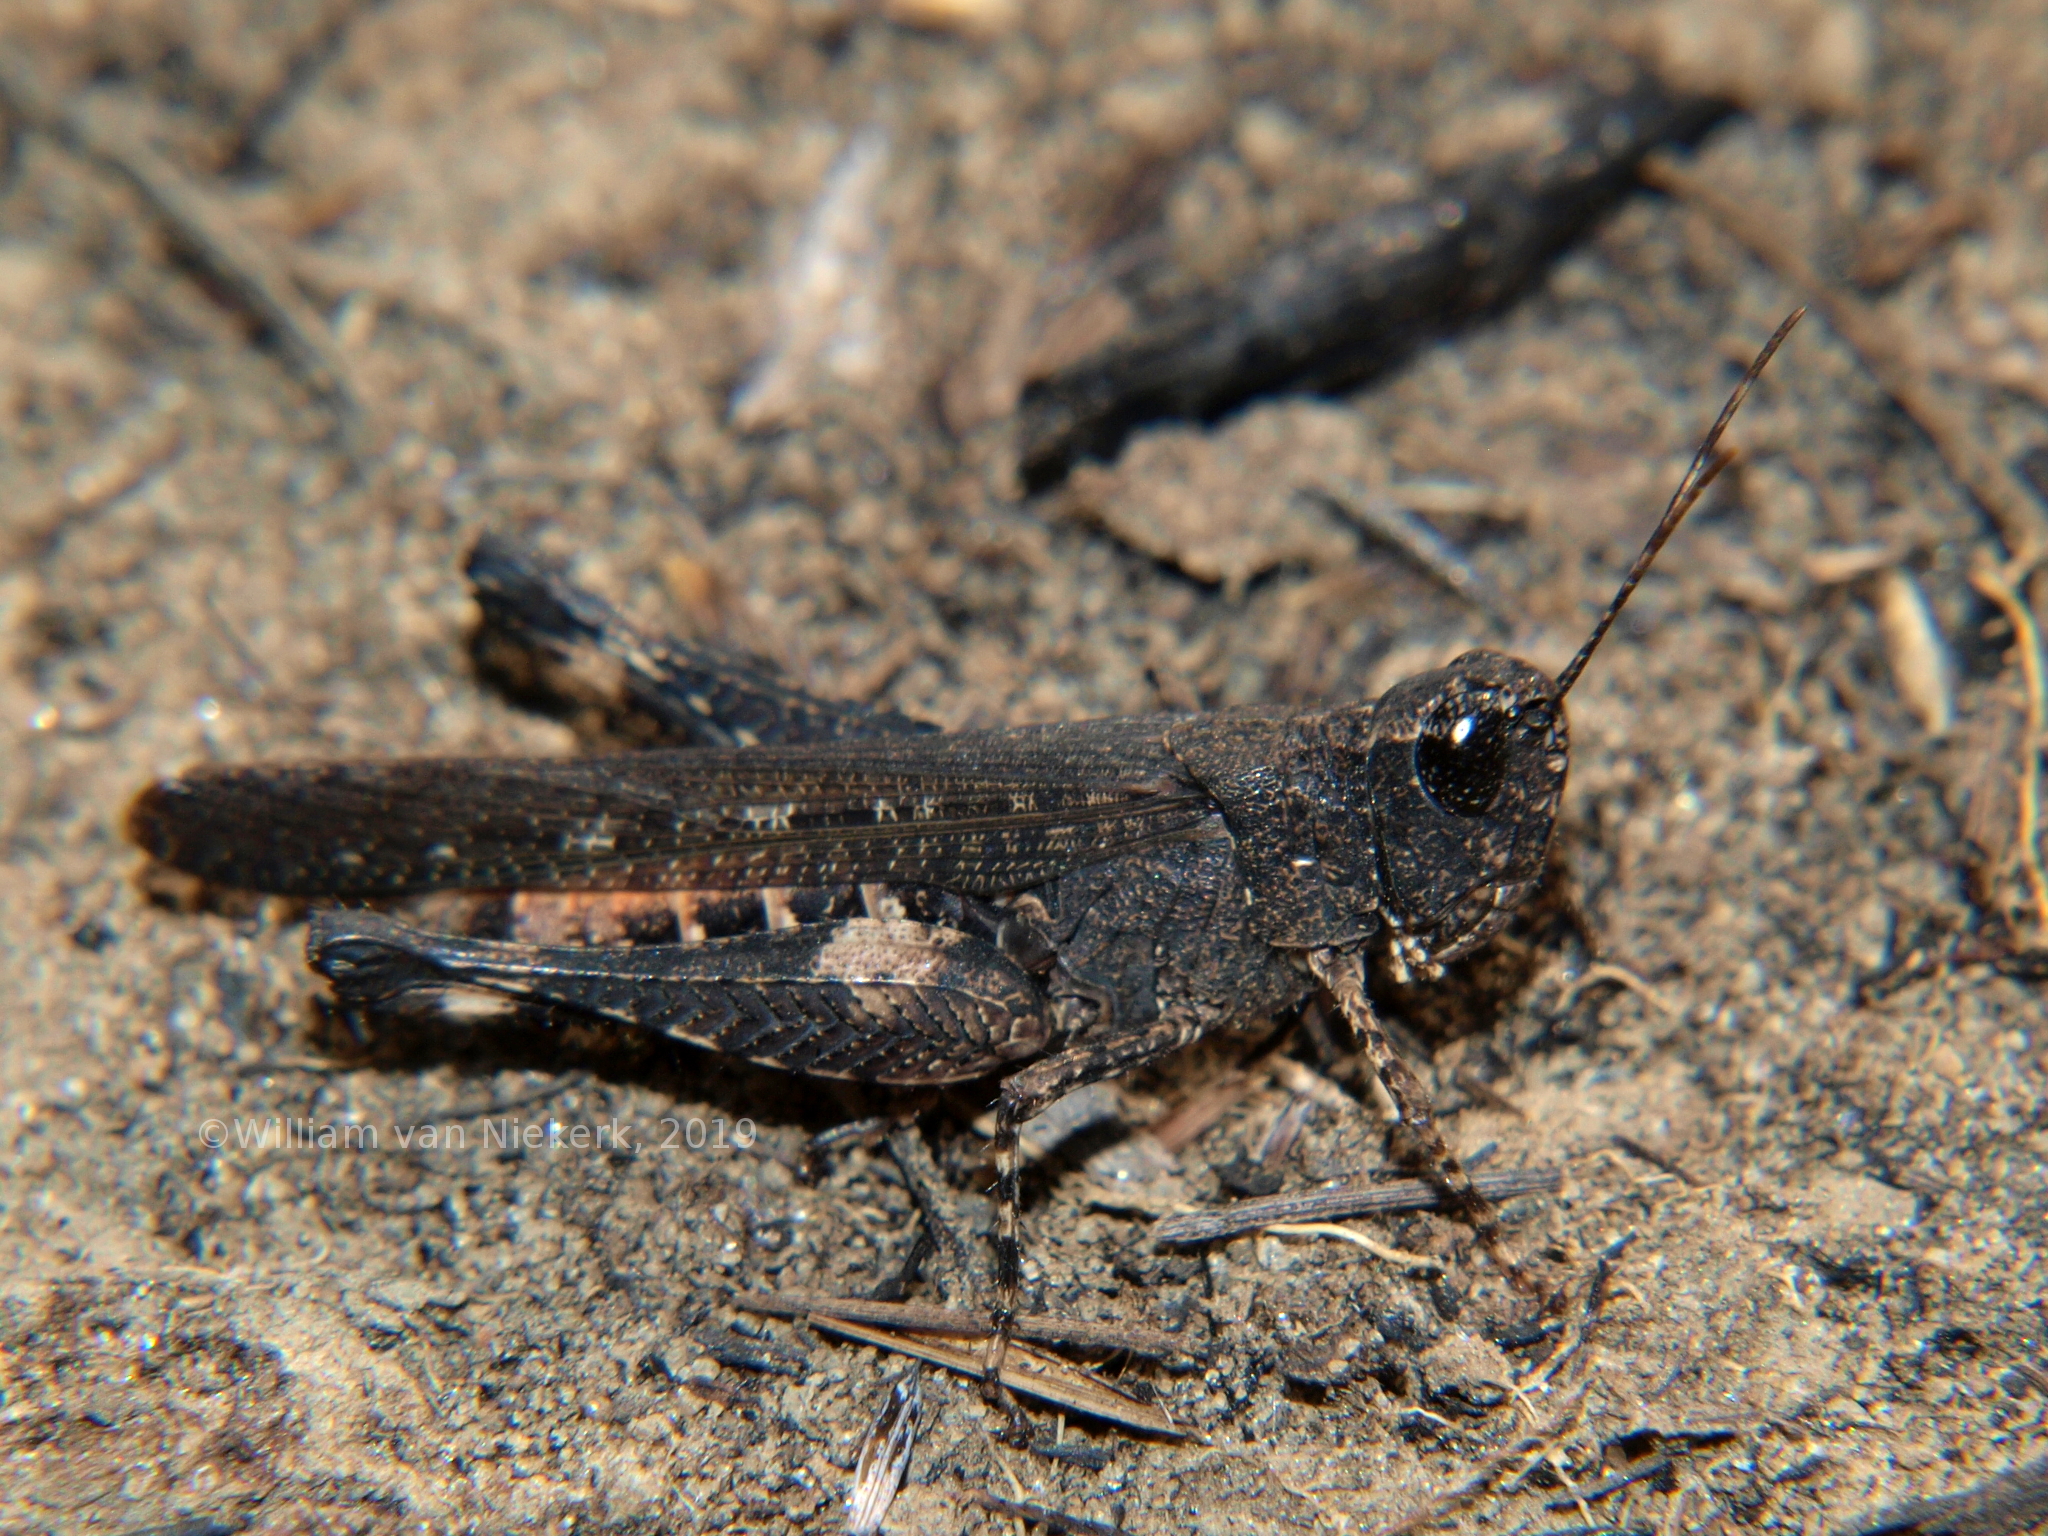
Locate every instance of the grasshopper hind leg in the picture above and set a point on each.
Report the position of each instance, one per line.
(1024, 1095)
(903, 1004)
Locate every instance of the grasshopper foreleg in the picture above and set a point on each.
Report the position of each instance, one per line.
(1420, 1139)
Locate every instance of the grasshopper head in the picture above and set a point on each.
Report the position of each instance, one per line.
(1466, 764)
(1464, 770)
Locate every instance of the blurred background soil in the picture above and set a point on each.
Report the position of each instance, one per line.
(729, 305)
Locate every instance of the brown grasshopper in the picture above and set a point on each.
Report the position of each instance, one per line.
(843, 891)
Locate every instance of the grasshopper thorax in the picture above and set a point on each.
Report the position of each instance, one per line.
(1427, 813)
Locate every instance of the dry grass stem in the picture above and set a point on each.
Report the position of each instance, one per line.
(885, 1456)
(1357, 1239)
(1620, 976)
(1994, 585)
(229, 253)
(1192, 1227)
(1529, 1451)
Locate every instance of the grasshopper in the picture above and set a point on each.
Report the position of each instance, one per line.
(840, 890)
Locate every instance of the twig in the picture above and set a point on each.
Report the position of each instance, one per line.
(2009, 1504)
(995, 1454)
(1386, 517)
(917, 1317)
(148, 437)
(1303, 1081)
(1655, 1159)
(1038, 1514)
(1485, 1093)
(1191, 1120)
(1993, 583)
(1286, 1129)
(195, 220)
(1532, 1448)
(1876, 338)
(1579, 1327)
(906, 1145)
(1024, 1369)
(719, 1393)
(1607, 1487)
(1891, 249)
(1355, 299)
(1192, 1227)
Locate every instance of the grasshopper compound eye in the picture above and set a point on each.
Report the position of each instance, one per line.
(1461, 755)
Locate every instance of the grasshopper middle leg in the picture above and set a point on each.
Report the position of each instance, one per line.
(1024, 1096)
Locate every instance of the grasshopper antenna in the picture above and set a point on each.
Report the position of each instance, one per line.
(1706, 464)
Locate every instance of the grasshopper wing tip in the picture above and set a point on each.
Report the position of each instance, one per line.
(155, 820)
(207, 823)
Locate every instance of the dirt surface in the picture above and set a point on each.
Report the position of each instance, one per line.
(729, 305)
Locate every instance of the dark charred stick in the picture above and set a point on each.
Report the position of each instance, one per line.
(744, 1354)
(1191, 1228)
(301, 75)
(1655, 1159)
(719, 1393)
(1800, 1470)
(922, 1247)
(2006, 1505)
(197, 1525)
(1073, 1453)
(1355, 300)
(934, 1202)
(1484, 1093)
(1607, 1487)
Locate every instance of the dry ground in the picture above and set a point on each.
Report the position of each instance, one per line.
(542, 244)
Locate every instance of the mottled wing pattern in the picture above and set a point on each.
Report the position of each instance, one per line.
(981, 813)
(883, 1002)
(674, 692)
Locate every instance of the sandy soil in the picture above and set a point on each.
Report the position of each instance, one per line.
(729, 304)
